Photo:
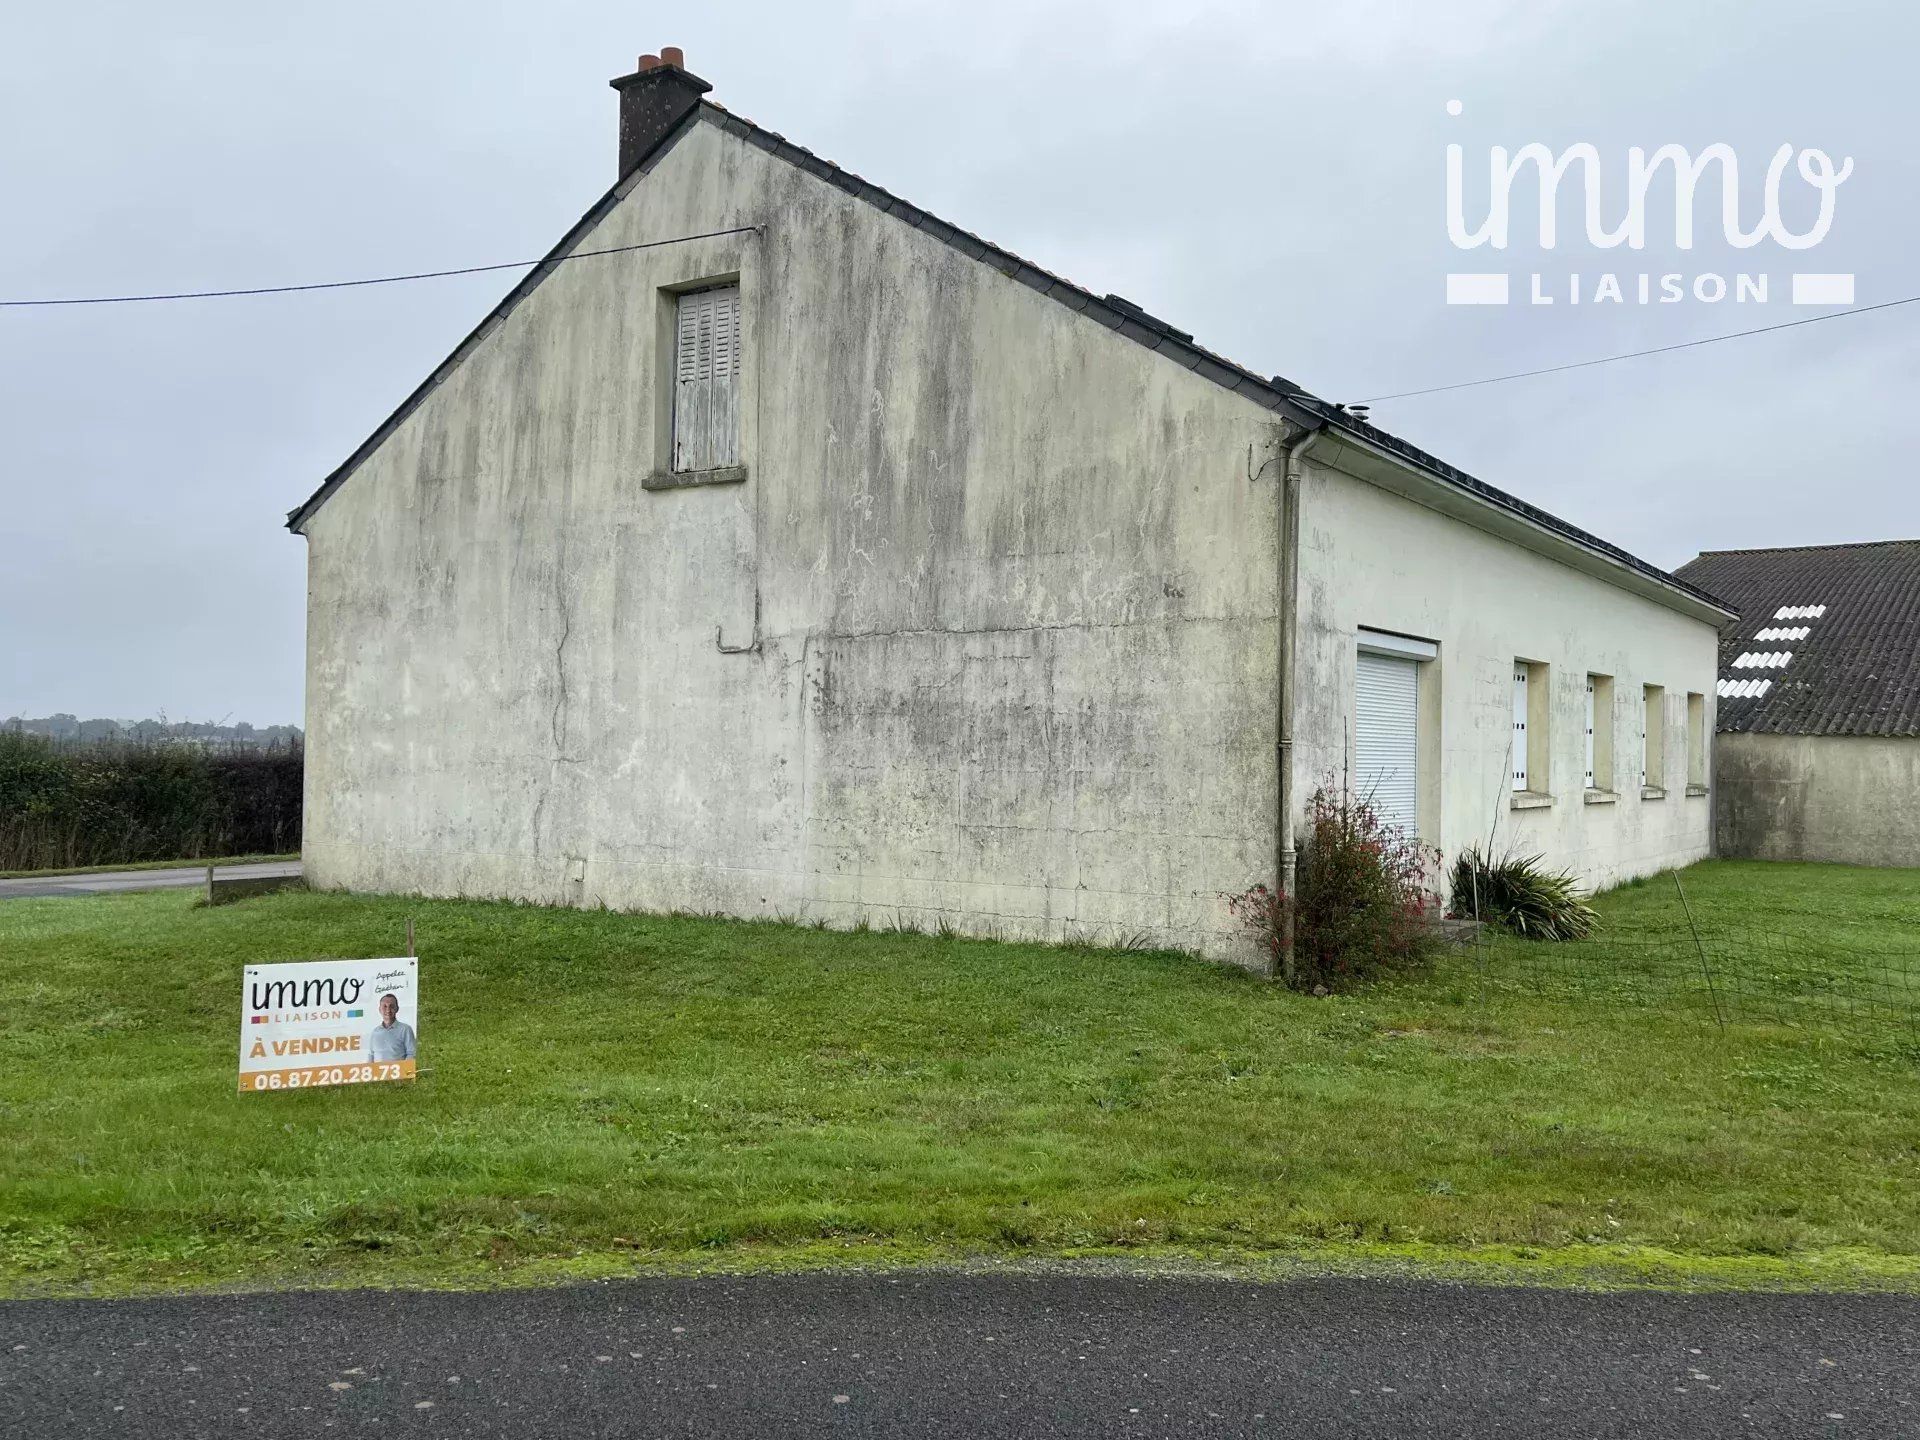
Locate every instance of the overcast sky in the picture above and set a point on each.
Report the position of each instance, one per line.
(1270, 177)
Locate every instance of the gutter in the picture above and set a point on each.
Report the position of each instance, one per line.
(1288, 602)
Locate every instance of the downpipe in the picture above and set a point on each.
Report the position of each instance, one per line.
(1286, 853)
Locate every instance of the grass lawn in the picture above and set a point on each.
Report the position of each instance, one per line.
(605, 1091)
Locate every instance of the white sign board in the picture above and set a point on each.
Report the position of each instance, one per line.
(328, 1022)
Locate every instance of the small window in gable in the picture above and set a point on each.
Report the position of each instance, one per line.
(706, 380)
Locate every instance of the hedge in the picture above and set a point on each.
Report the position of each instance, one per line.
(109, 804)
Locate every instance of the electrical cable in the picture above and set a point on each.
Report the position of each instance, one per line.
(374, 280)
(1637, 354)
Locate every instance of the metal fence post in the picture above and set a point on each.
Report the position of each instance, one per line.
(1706, 969)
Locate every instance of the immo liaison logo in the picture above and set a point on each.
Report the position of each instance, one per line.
(1699, 179)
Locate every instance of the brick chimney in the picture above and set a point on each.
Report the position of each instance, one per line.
(656, 97)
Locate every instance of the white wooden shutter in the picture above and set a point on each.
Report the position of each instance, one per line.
(1590, 719)
(1519, 727)
(1386, 749)
(706, 384)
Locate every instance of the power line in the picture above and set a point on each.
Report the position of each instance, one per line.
(374, 280)
(744, 229)
(1637, 354)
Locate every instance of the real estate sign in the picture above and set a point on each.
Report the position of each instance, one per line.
(328, 1022)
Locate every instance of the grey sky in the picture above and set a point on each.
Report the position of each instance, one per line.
(1270, 177)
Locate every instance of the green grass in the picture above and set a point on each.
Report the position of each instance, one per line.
(604, 1092)
(143, 865)
(1833, 946)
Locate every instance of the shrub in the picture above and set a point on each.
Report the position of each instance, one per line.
(1360, 905)
(1518, 894)
(111, 804)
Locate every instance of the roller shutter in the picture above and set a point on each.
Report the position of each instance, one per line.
(1386, 749)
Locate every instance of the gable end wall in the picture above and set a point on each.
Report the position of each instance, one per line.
(986, 635)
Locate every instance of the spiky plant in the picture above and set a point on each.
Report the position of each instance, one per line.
(1518, 893)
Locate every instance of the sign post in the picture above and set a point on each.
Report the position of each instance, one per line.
(328, 1022)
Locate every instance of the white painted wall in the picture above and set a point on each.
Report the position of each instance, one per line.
(1376, 559)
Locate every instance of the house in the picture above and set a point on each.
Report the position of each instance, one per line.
(778, 548)
(1817, 751)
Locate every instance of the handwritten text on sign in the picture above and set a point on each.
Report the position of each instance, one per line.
(328, 1022)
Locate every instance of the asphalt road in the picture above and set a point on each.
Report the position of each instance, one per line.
(965, 1355)
(106, 882)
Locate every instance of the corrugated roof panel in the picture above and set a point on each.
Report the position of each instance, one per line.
(1855, 661)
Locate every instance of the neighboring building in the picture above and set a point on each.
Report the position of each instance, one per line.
(810, 556)
(1817, 756)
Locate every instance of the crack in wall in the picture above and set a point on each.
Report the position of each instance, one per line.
(561, 697)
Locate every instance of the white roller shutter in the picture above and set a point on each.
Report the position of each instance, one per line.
(1386, 750)
(706, 384)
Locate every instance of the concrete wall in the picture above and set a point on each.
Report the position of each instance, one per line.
(1853, 799)
(1375, 559)
(1002, 591)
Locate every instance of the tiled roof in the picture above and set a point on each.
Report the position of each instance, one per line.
(1828, 639)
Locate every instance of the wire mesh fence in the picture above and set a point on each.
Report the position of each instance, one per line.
(1726, 973)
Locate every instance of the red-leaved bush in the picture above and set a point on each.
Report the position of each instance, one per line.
(1360, 907)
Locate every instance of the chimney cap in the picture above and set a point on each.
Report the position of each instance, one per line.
(653, 73)
(673, 55)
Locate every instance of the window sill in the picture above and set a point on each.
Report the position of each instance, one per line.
(681, 479)
(1530, 800)
(1652, 792)
(1696, 791)
(1603, 797)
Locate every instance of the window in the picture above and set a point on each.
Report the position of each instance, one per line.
(1600, 733)
(1696, 743)
(1387, 733)
(706, 380)
(1531, 700)
(1653, 743)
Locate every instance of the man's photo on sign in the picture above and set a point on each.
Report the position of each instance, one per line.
(390, 1039)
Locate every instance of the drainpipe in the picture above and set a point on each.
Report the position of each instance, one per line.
(1288, 600)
